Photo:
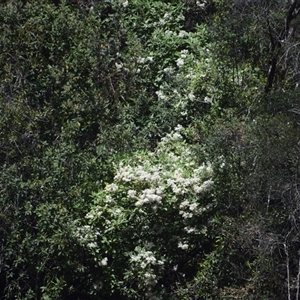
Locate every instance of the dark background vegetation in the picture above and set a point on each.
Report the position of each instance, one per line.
(67, 112)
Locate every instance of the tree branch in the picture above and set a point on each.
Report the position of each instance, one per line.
(292, 13)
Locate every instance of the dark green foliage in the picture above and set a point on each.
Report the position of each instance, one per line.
(55, 111)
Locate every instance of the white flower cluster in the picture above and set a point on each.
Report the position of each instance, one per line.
(164, 20)
(171, 175)
(191, 96)
(180, 62)
(111, 187)
(139, 173)
(93, 214)
(169, 32)
(160, 95)
(183, 246)
(119, 66)
(103, 262)
(152, 196)
(124, 3)
(190, 209)
(201, 4)
(147, 188)
(143, 60)
(205, 186)
(145, 258)
(92, 245)
(168, 174)
(190, 229)
(183, 55)
(207, 100)
(143, 261)
(169, 70)
(86, 234)
(192, 75)
(182, 34)
(125, 174)
(170, 138)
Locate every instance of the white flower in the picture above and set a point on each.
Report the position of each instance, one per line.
(177, 136)
(160, 95)
(108, 199)
(117, 212)
(207, 100)
(206, 185)
(155, 177)
(184, 204)
(150, 58)
(191, 96)
(179, 128)
(90, 216)
(98, 285)
(150, 259)
(135, 258)
(186, 215)
(183, 113)
(161, 22)
(160, 190)
(166, 16)
(119, 66)
(168, 32)
(180, 62)
(160, 262)
(103, 262)
(168, 70)
(124, 3)
(201, 4)
(182, 34)
(189, 229)
(197, 189)
(131, 193)
(139, 203)
(142, 175)
(193, 206)
(141, 60)
(92, 245)
(184, 53)
(176, 190)
(148, 196)
(148, 275)
(111, 187)
(170, 182)
(183, 246)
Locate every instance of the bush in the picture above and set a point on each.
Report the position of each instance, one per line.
(146, 229)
